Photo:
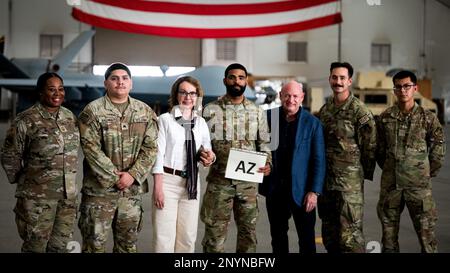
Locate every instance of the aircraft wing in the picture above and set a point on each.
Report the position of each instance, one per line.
(17, 83)
(9, 70)
(79, 91)
(21, 83)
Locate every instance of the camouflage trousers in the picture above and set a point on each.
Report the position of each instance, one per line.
(98, 215)
(342, 221)
(218, 203)
(422, 210)
(45, 225)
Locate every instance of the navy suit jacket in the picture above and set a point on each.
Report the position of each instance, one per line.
(309, 161)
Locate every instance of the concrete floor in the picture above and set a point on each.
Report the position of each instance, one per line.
(10, 241)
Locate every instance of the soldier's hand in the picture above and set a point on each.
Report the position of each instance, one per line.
(310, 201)
(265, 170)
(125, 180)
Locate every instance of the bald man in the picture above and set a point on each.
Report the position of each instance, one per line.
(298, 172)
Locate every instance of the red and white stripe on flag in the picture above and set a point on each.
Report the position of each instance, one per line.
(208, 18)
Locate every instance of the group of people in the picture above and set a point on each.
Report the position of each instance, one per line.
(312, 162)
(323, 162)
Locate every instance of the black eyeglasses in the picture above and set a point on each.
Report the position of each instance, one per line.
(406, 87)
(185, 94)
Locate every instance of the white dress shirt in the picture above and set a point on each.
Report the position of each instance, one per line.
(171, 140)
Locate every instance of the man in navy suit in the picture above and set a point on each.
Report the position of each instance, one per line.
(298, 172)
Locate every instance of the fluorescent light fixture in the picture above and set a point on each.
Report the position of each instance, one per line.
(147, 71)
(178, 70)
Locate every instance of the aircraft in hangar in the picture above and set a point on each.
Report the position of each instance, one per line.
(20, 76)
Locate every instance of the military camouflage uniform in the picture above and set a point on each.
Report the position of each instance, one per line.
(242, 126)
(350, 140)
(111, 142)
(40, 155)
(411, 150)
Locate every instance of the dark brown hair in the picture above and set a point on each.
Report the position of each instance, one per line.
(116, 66)
(344, 65)
(176, 85)
(235, 66)
(403, 75)
(42, 80)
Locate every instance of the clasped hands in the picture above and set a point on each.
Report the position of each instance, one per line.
(125, 180)
(207, 157)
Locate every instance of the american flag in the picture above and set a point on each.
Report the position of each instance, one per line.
(208, 18)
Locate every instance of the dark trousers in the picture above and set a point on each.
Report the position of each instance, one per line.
(280, 207)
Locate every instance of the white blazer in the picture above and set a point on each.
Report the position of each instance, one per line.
(171, 140)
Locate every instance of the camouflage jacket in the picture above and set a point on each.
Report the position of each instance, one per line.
(350, 141)
(411, 148)
(242, 126)
(112, 142)
(40, 153)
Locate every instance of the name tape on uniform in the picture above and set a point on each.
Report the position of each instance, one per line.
(244, 165)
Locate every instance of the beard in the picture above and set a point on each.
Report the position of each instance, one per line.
(235, 90)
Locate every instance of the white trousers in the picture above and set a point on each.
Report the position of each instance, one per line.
(175, 226)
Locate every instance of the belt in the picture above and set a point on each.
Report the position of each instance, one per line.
(182, 174)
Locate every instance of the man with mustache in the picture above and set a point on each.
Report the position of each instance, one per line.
(350, 141)
(235, 122)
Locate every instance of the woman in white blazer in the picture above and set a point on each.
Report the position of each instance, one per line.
(183, 143)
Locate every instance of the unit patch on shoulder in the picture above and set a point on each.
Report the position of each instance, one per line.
(364, 119)
(85, 118)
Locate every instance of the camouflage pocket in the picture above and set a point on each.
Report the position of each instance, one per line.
(428, 204)
(216, 207)
(21, 221)
(393, 199)
(390, 130)
(352, 207)
(418, 146)
(345, 129)
(31, 179)
(27, 217)
(88, 212)
(110, 130)
(138, 128)
(45, 137)
(22, 227)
